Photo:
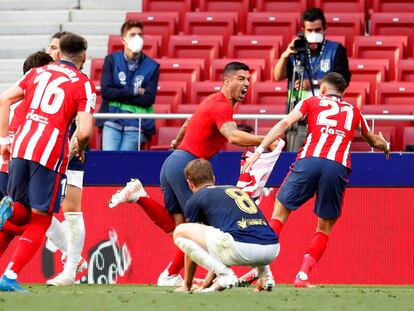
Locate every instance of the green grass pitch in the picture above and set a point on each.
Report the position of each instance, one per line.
(150, 297)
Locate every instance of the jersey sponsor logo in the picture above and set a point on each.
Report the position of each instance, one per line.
(37, 118)
(244, 223)
(325, 65)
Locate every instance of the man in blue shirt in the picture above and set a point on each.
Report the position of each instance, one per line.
(224, 228)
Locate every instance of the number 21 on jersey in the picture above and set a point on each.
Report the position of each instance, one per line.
(329, 116)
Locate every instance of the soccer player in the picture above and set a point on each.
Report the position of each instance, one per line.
(206, 132)
(70, 242)
(53, 96)
(224, 228)
(322, 166)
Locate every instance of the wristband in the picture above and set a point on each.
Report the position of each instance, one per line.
(388, 146)
(5, 140)
(259, 150)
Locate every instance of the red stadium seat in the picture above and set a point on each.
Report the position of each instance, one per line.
(180, 6)
(266, 47)
(346, 24)
(188, 70)
(405, 71)
(273, 24)
(161, 108)
(239, 6)
(201, 90)
(339, 39)
(393, 6)
(163, 24)
(171, 93)
(357, 93)
(96, 141)
(280, 5)
(394, 24)
(396, 93)
(205, 47)
(408, 139)
(96, 70)
(351, 6)
(211, 23)
(270, 93)
(256, 66)
(358, 144)
(151, 45)
(260, 109)
(165, 135)
(383, 47)
(388, 109)
(369, 70)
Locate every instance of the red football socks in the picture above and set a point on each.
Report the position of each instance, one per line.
(21, 214)
(157, 213)
(177, 263)
(276, 225)
(318, 245)
(30, 241)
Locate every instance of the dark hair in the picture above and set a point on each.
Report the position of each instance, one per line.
(59, 34)
(234, 66)
(72, 45)
(312, 15)
(37, 59)
(245, 128)
(336, 80)
(131, 24)
(199, 172)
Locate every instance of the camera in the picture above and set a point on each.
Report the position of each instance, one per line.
(300, 45)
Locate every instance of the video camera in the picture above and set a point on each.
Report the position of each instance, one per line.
(300, 45)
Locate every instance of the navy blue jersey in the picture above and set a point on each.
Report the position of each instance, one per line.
(231, 210)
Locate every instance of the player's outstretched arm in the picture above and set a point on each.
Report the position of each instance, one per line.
(377, 141)
(239, 138)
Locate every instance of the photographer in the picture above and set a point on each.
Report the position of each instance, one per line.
(319, 56)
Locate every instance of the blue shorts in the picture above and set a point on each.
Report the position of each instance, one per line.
(173, 182)
(4, 177)
(34, 185)
(308, 176)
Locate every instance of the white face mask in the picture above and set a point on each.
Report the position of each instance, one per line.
(135, 44)
(314, 37)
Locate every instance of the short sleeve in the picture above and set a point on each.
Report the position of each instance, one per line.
(364, 125)
(22, 83)
(302, 106)
(192, 209)
(87, 96)
(222, 114)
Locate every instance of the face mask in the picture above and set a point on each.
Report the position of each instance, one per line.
(135, 44)
(314, 37)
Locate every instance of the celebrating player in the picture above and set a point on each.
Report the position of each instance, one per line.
(53, 96)
(323, 164)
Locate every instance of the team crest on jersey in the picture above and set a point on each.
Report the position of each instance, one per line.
(325, 65)
(138, 81)
(122, 77)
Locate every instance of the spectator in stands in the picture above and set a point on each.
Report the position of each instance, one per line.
(128, 85)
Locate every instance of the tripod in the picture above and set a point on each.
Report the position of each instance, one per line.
(297, 133)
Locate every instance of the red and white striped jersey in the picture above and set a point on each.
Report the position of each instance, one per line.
(331, 127)
(54, 94)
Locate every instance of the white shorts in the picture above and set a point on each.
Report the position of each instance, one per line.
(222, 246)
(75, 178)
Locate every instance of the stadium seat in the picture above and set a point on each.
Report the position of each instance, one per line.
(205, 47)
(369, 70)
(188, 70)
(260, 109)
(96, 141)
(351, 6)
(274, 24)
(163, 24)
(405, 71)
(357, 93)
(339, 39)
(239, 6)
(266, 47)
(280, 5)
(383, 47)
(161, 108)
(201, 90)
(256, 66)
(151, 45)
(175, 6)
(164, 137)
(394, 24)
(96, 70)
(408, 139)
(393, 6)
(270, 93)
(346, 24)
(171, 93)
(211, 23)
(395, 93)
(359, 144)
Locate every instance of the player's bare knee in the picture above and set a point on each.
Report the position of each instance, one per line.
(179, 232)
